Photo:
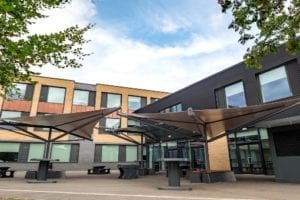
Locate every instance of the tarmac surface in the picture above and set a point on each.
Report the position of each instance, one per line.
(80, 186)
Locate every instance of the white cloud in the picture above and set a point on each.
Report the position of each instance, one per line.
(77, 12)
(119, 60)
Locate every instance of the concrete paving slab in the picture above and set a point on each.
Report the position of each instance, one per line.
(78, 186)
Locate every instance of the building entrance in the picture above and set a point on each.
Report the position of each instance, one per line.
(250, 152)
(250, 159)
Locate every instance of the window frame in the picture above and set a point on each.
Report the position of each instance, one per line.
(24, 97)
(104, 97)
(169, 109)
(71, 151)
(232, 84)
(88, 97)
(260, 85)
(45, 99)
(142, 101)
(103, 128)
(109, 145)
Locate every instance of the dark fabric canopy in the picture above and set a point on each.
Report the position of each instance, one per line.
(79, 124)
(285, 117)
(212, 123)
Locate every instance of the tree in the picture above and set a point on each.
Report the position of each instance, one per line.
(266, 24)
(20, 50)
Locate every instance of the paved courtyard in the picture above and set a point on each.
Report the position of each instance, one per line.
(80, 186)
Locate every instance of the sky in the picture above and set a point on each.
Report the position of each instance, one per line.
(160, 45)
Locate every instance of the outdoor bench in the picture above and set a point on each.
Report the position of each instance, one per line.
(99, 170)
(4, 171)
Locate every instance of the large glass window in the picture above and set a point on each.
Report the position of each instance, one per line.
(135, 102)
(133, 123)
(9, 152)
(36, 150)
(84, 98)
(18, 92)
(235, 96)
(174, 108)
(274, 85)
(109, 100)
(110, 153)
(56, 95)
(152, 99)
(62, 152)
(10, 114)
(81, 97)
(131, 153)
(22, 91)
(112, 122)
(113, 100)
(52, 94)
(106, 124)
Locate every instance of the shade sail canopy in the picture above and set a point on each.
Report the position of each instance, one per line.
(212, 123)
(285, 117)
(79, 124)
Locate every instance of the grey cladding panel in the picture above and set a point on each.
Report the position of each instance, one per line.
(98, 153)
(92, 96)
(83, 86)
(29, 92)
(44, 93)
(103, 99)
(220, 98)
(122, 153)
(74, 153)
(23, 152)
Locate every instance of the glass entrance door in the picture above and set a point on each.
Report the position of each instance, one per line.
(250, 159)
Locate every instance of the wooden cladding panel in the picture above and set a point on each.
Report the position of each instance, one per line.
(218, 154)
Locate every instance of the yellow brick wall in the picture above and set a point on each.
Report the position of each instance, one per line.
(125, 92)
(70, 86)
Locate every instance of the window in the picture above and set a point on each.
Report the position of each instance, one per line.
(152, 99)
(9, 151)
(133, 123)
(235, 96)
(52, 94)
(109, 100)
(84, 98)
(135, 102)
(22, 91)
(174, 108)
(36, 150)
(65, 152)
(112, 122)
(276, 78)
(110, 153)
(109, 123)
(10, 114)
(131, 153)
(61, 152)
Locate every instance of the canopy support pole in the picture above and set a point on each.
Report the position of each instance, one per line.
(48, 144)
(204, 133)
(207, 167)
(142, 151)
